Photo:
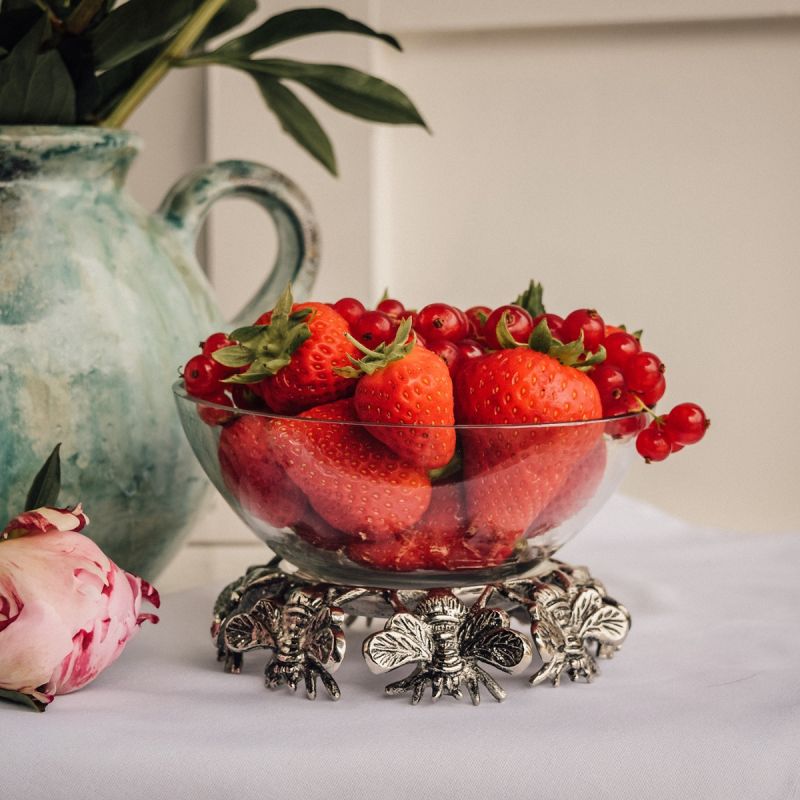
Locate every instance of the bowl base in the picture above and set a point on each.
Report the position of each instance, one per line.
(450, 634)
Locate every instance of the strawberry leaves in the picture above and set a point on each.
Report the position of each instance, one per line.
(531, 299)
(382, 355)
(266, 349)
(570, 354)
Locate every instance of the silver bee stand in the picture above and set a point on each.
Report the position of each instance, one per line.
(448, 634)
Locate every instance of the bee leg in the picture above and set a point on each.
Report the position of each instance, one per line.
(402, 686)
(495, 689)
(437, 687)
(473, 687)
(419, 690)
(311, 682)
(233, 662)
(329, 683)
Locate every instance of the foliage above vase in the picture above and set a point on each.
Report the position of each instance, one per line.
(92, 62)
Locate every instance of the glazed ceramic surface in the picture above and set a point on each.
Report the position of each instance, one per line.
(100, 302)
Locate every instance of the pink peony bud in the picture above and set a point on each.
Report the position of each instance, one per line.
(66, 610)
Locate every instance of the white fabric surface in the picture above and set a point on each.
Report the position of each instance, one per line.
(703, 701)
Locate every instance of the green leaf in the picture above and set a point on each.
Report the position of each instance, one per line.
(531, 299)
(503, 334)
(246, 334)
(300, 22)
(46, 485)
(135, 27)
(541, 339)
(16, 22)
(113, 83)
(233, 13)
(35, 87)
(233, 356)
(82, 15)
(297, 120)
(24, 699)
(345, 88)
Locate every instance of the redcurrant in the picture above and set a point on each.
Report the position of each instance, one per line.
(655, 393)
(620, 346)
(469, 348)
(441, 321)
(610, 383)
(449, 353)
(216, 416)
(202, 375)
(349, 308)
(626, 403)
(642, 371)
(394, 308)
(554, 323)
(245, 396)
(587, 321)
(518, 321)
(216, 342)
(477, 316)
(687, 423)
(653, 443)
(373, 328)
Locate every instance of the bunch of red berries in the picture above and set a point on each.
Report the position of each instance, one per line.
(629, 380)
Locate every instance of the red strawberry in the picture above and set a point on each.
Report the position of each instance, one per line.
(254, 477)
(406, 385)
(430, 544)
(313, 529)
(291, 354)
(354, 482)
(512, 473)
(578, 489)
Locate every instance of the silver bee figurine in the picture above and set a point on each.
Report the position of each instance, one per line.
(565, 620)
(305, 633)
(447, 640)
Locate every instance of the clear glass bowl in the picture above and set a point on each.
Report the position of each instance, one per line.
(519, 493)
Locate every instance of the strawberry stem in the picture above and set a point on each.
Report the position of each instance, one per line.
(382, 355)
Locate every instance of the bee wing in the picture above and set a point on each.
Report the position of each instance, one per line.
(486, 636)
(327, 639)
(608, 625)
(255, 629)
(404, 640)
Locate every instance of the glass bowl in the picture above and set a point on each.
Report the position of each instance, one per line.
(331, 498)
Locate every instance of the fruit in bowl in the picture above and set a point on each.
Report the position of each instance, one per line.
(432, 448)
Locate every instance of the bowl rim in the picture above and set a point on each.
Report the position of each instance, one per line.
(180, 393)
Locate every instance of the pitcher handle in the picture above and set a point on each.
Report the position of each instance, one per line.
(188, 202)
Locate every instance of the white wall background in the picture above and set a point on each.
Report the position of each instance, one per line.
(640, 157)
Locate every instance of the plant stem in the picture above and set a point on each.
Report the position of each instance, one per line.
(178, 47)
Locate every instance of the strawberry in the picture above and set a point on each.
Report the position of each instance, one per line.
(428, 545)
(291, 354)
(353, 482)
(254, 477)
(513, 473)
(314, 530)
(406, 385)
(578, 489)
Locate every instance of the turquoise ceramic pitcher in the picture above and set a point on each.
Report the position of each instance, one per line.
(100, 303)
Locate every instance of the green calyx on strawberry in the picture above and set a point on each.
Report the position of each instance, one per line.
(383, 355)
(266, 349)
(531, 299)
(570, 354)
(410, 388)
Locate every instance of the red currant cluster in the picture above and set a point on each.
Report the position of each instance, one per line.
(669, 433)
(444, 329)
(203, 377)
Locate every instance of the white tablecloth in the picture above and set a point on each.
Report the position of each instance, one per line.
(703, 701)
